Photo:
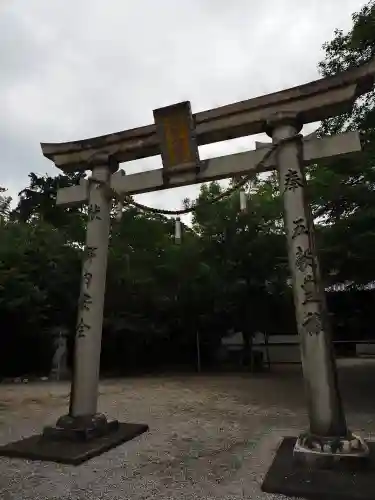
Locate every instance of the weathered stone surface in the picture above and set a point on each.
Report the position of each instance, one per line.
(72, 451)
(350, 481)
(215, 168)
(313, 101)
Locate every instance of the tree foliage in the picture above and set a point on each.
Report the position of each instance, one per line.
(343, 190)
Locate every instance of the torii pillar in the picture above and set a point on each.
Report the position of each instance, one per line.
(328, 430)
(84, 432)
(83, 418)
(327, 461)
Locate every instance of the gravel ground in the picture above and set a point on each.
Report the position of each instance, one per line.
(211, 437)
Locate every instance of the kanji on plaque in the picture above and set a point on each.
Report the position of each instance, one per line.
(299, 227)
(304, 259)
(312, 323)
(82, 328)
(293, 180)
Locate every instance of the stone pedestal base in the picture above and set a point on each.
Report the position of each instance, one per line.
(296, 473)
(80, 428)
(329, 452)
(74, 440)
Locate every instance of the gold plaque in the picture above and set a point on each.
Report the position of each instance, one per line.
(177, 138)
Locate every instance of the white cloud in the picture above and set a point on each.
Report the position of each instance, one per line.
(75, 69)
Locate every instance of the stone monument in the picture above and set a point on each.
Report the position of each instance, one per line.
(59, 368)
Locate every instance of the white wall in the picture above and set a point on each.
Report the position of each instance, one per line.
(365, 349)
(281, 348)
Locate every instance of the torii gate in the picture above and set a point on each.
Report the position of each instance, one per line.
(176, 135)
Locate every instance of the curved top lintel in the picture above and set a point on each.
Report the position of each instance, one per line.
(312, 101)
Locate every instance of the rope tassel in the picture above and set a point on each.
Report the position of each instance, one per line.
(119, 208)
(177, 230)
(243, 201)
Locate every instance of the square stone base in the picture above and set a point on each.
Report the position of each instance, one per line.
(87, 433)
(289, 478)
(71, 452)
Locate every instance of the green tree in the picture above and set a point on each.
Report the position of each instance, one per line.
(5, 202)
(247, 250)
(39, 273)
(342, 191)
(38, 202)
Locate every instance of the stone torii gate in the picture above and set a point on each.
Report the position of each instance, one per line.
(176, 135)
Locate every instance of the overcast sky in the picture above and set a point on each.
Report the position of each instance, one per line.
(71, 69)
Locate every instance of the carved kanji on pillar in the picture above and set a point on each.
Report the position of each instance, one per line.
(318, 362)
(91, 299)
